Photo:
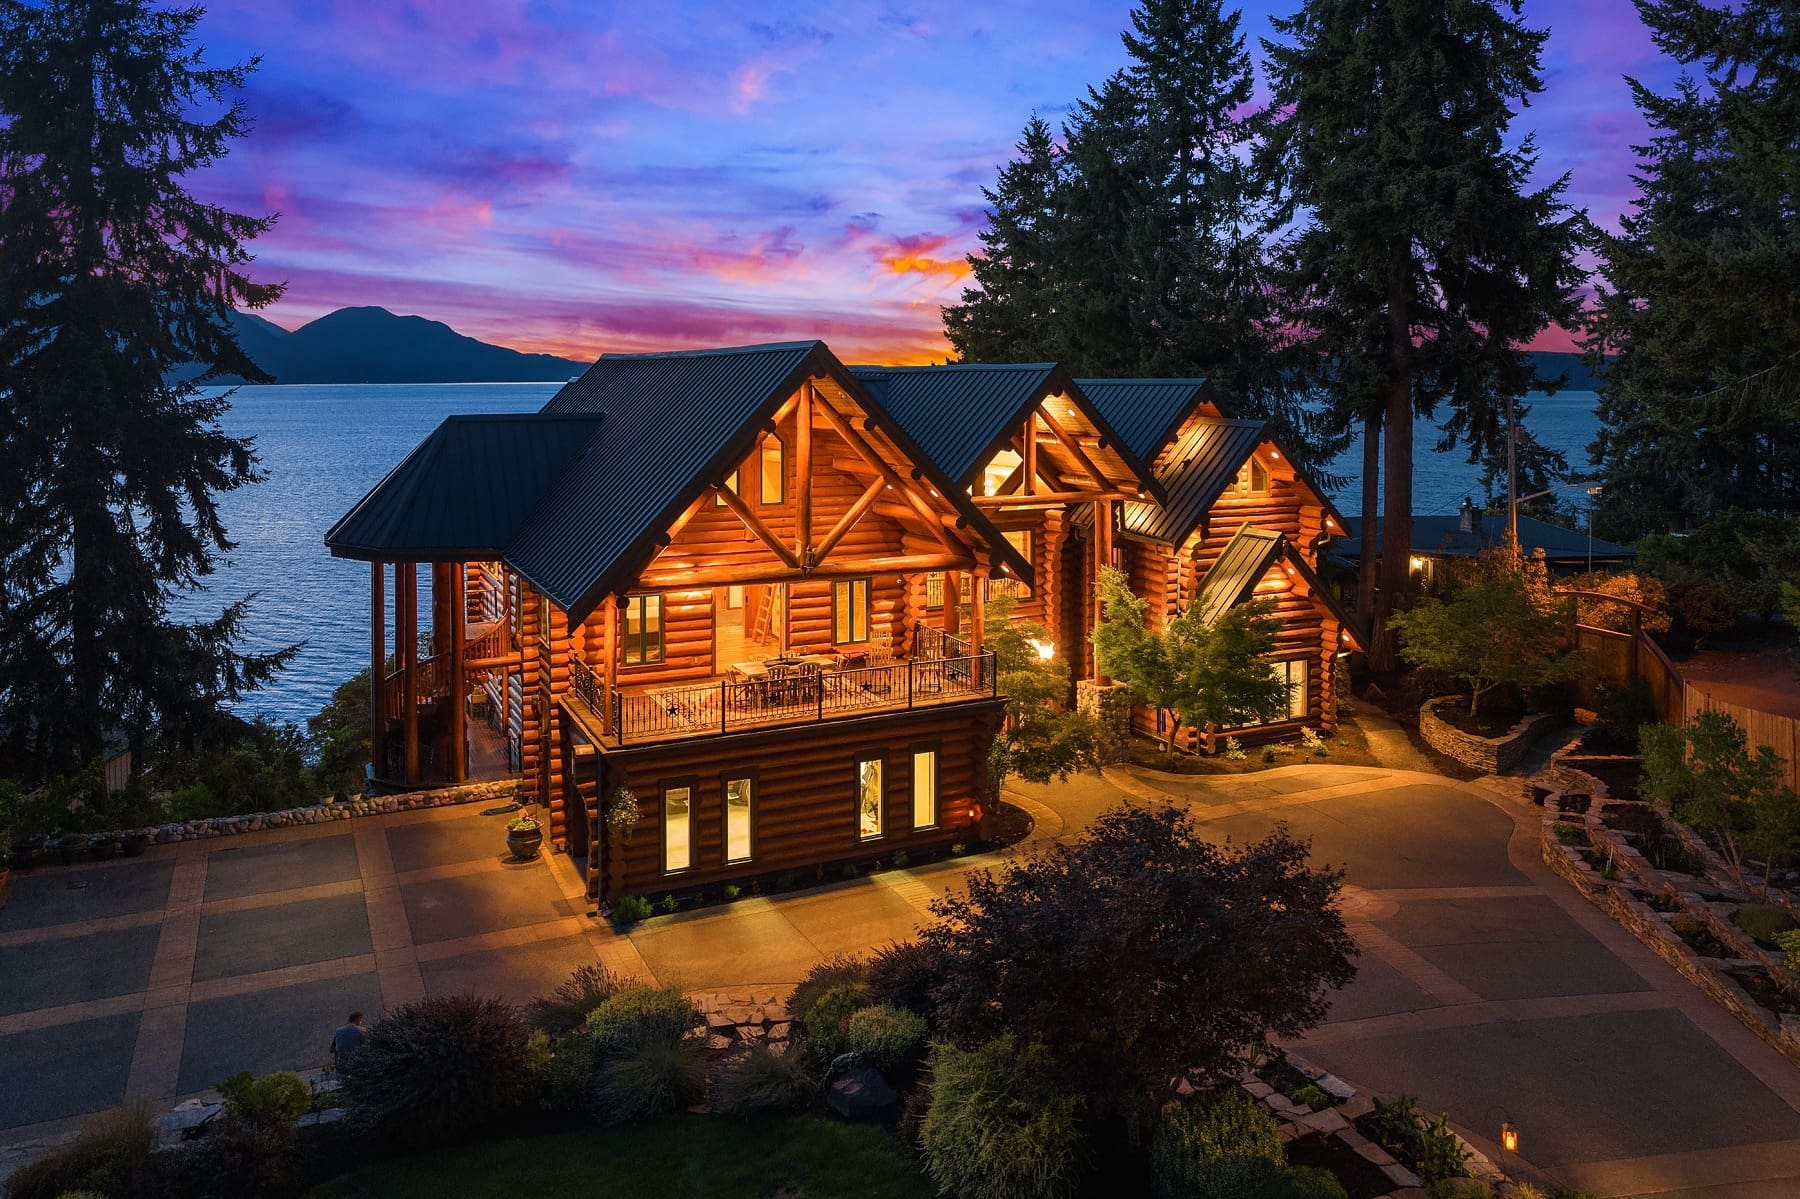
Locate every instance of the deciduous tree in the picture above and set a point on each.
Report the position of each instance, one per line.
(1710, 779)
(1497, 631)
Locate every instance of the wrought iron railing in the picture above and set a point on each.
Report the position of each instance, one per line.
(738, 706)
(936, 643)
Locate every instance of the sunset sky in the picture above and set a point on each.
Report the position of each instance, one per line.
(582, 177)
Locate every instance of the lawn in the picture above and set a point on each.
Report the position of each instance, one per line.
(711, 1157)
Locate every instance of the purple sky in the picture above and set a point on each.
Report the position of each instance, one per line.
(582, 177)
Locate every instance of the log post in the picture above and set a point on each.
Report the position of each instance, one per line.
(378, 667)
(803, 474)
(406, 633)
(953, 602)
(1029, 463)
(1103, 552)
(977, 608)
(459, 698)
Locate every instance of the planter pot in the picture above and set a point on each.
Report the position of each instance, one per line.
(28, 851)
(134, 844)
(65, 849)
(103, 848)
(525, 842)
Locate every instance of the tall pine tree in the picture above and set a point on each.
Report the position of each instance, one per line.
(115, 279)
(1423, 259)
(1700, 412)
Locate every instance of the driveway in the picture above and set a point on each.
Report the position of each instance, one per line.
(1486, 986)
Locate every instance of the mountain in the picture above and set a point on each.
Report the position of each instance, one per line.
(373, 345)
(1551, 363)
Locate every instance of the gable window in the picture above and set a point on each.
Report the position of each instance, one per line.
(1292, 671)
(731, 485)
(869, 798)
(925, 788)
(737, 820)
(643, 629)
(850, 611)
(1252, 478)
(678, 838)
(774, 478)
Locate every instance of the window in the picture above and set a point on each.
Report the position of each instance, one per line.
(731, 485)
(1253, 478)
(925, 788)
(774, 477)
(850, 611)
(1020, 540)
(543, 629)
(643, 629)
(868, 798)
(934, 590)
(737, 820)
(1292, 671)
(678, 839)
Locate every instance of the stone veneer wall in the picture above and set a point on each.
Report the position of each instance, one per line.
(1490, 755)
(1111, 706)
(324, 813)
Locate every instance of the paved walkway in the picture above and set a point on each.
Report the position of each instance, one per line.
(1486, 986)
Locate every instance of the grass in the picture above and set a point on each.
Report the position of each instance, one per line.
(708, 1157)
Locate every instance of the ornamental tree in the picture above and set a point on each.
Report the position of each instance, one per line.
(1201, 674)
(1493, 633)
(1705, 773)
(1138, 951)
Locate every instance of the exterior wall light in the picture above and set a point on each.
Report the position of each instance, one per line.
(1416, 561)
(1045, 649)
(1509, 1136)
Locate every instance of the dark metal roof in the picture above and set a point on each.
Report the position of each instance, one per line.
(1198, 470)
(1146, 413)
(1244, 562)
(1444, 535)
(465, 491)
(962, 414)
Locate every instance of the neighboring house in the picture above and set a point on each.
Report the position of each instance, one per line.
(731, 584)
(1437, 540)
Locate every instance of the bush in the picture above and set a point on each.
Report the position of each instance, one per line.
(1707, 608)
(1427, 1146)
(765, 1081)
(828, 1017)
(1307, 1182)
(829, 973)
(1764, 924)
(569, 1075)
(1218, 1146)
(1313, 1097)
(1619, 714)
(889, 1038)
(279, 1098)
(638, 1012)
(1789, 944)
(634, 908)
(902, 974)
(994, 1130)
(573, 1000)
(111, 1155)
(437, 1069)
(1572, 834)
(656, 1072)
(244, 1158)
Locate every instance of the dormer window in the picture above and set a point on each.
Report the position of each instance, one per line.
(1252, 479)
(774, 480)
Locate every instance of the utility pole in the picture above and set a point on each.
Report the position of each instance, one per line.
(1512, 481)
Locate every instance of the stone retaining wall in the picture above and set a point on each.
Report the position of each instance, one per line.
(506, 790)
(1490, 755)
(1111, 707)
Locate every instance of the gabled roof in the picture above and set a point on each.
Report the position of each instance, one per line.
(962, 414)
(465, 491)
(1444, 535)
(1147, 413)
(1245, 561)
(1198, 470)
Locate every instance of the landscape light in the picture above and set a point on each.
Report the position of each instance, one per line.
(1509, 1136)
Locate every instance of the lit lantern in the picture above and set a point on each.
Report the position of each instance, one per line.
(1509, 1136)
(1045, 650)
(1416, 562)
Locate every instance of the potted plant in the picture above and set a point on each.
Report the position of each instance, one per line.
(102, 846)
(622, 817)
(524, 835)
(66, 846)
(136, 842)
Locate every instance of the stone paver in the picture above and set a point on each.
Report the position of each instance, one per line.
(513, 972)
(75, 969)
(234, 871)
(288, 1028)
(274, 937)
(70, 895)
(447, 909)
(39, 1081)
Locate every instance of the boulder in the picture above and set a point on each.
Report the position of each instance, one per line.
(860, 1094)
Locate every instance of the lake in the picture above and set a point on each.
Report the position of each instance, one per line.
(325, 446)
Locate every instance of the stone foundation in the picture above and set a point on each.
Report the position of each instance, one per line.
(1490, 755)
(1110, 705)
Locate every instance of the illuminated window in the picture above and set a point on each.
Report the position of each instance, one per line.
(643, 629)
(543, 630)
(868, 798)
(850, 611)
(731, 485)
(999, 470)
(934, 590)
(1020, 540)
(1292, 671)
(774, 477)
(1253, 478)
(678, 837)
(737, 820)
(925, 788)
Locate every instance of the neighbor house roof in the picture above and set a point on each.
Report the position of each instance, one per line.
(1245, 561)
(1445, 536)
(1146, 413)
(962, 414)
(466, 490)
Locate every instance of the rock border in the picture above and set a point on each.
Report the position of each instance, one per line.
(1490, 755)
(1707, 900)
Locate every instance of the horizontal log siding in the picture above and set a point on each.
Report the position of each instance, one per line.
(804, 798)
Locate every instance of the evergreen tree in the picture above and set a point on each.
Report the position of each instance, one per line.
(1424, 259)
(115, 277)
(1700, 412)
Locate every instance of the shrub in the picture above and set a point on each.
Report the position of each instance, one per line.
(889, 1038)
(731, 891)
(828, 1017)
(1313, 1097)
(765, 1081)
(842, 968)
(1619, 714)
(994, 1130)
(1570, 833)
(1763, 924)
(111, 1155)
(634, 908)
(1428, 1146)
(570, 1073)
(1222, 1145)
(1234, 750)
(901, 973)
(1268, 754)
(638, 1012)
(569, 1005)
(437, 1069)
(656, 1072)
(669, 905)
(245, 1157)
(1707, 608)
(278, 1098)
(1789, 944)
(1307, 1182)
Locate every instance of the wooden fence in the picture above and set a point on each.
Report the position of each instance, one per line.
(1779, 733)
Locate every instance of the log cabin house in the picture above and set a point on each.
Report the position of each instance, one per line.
(730, 602)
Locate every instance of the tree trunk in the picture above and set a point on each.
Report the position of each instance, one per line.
(1169, 741)
(1371, 505)
(1396, 513)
